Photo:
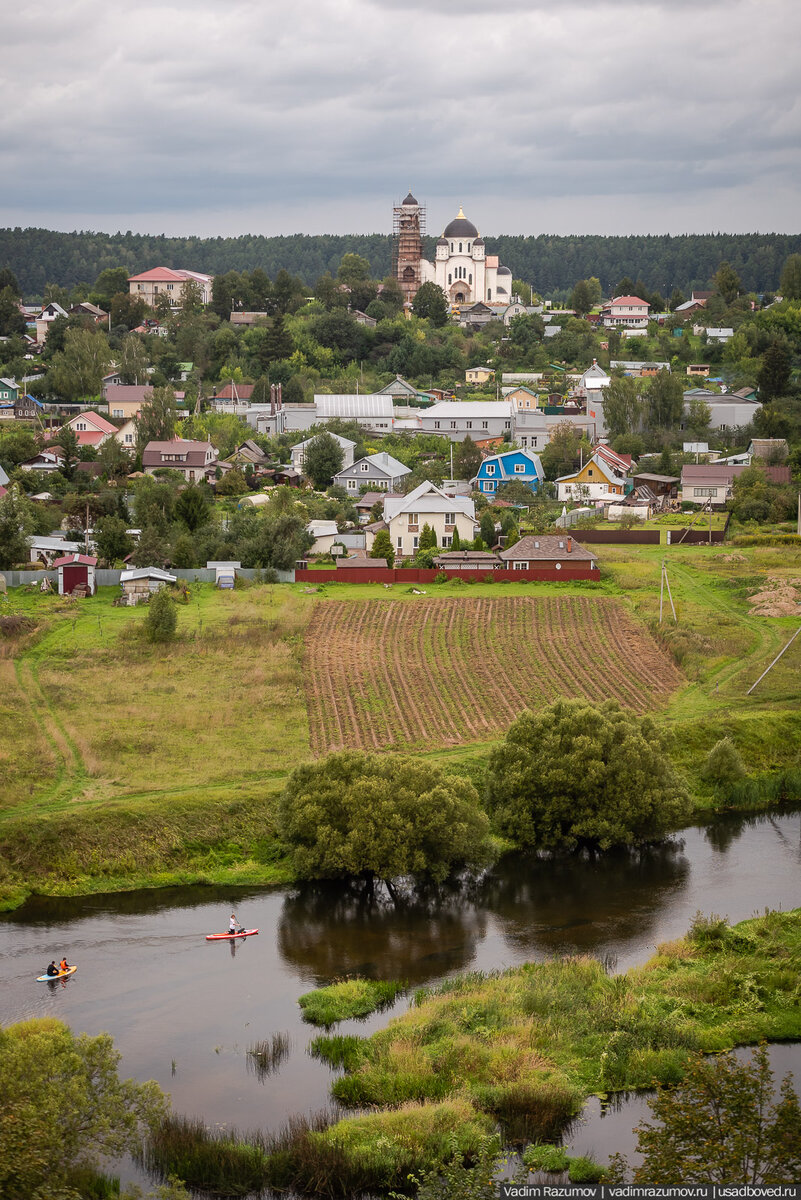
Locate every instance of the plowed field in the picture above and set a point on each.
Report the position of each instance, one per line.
(444, 672)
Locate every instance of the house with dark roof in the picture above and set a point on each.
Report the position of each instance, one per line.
(559, 552)
(193, 459)
(379, 472)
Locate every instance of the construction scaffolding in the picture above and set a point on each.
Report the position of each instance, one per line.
(408, 230)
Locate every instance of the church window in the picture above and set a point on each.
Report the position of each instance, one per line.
(460, 247)
(450, 278)
(451, 247)
(468, 247)
(470, 278)
(489, 293)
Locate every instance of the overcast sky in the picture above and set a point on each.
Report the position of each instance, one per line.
(538, 116)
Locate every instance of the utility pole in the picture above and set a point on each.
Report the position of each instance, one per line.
(665, 582)
(776, 659)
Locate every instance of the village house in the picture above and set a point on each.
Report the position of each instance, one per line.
(479, 375)
(298, 451)
(170, 282)
(429, 505)
(126, 400)
(46, 550)
(625, 312)
(523, 466)
(193, 459)
(597, 479)
(45, 319)
(727, 410)
(768, 450)
(480, 419)
(559, 552)
(126, 435)
(378, 472)
(9, 394)
(712, 483)
(90, 429)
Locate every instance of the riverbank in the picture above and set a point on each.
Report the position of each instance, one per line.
(523, 1049)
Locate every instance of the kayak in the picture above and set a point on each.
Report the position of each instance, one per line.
(216, 937)
(61, 975)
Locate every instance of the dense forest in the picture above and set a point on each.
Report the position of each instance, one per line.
(551, 264)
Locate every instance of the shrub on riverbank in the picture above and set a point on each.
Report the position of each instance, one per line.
(575, 773)
(348, 998)
(385, 817)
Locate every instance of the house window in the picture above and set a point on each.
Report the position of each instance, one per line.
(450, 518)
(489, 485)
(400, 543)
(520, 468)
(128, 438)
(490, 469)
(520, 566)
(80, 425)
(365, 466)
(558, 566)
(589, 473)
(485, 424)
(702, 491)
(415, 542)
(351, 485)
(170, 287)
(507, 424)
(447, 541)
(117, 412)
(453, 424)
(414, 518)
(436, 424)
(468, 424)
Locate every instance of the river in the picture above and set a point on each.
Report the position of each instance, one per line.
(183, 1011)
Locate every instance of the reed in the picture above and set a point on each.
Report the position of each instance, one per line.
(265, 1057)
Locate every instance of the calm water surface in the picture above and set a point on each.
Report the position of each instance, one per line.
(183, 1011)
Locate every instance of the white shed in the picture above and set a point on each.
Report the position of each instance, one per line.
(139, 583)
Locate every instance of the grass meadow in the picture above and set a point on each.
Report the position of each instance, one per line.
(124, 762)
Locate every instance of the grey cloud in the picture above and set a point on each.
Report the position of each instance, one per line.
(198, 112)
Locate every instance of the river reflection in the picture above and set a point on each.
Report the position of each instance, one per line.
(339, 929)
(185, 1011)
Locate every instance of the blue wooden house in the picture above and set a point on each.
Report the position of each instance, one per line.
(522, 465)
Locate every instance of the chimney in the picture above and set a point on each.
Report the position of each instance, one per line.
(279, 395)
(272, 399)
(570, 545)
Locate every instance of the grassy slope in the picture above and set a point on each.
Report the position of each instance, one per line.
(128, 765)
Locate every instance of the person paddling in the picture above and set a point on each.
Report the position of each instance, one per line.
(52, 969)
(233, 925)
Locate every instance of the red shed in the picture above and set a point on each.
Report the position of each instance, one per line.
(76, 572)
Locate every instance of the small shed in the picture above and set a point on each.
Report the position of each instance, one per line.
(225, 573)
(76, 575)
(141, 582)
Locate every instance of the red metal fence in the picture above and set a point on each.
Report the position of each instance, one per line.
(570, 571)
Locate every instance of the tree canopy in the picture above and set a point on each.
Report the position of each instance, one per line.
(577, 774)
(322, 459)
(63, 1108)
(385, 816)
(721, 1125)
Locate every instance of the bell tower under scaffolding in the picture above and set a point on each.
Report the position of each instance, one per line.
(408, 229)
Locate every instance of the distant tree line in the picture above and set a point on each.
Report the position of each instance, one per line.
(553, 264)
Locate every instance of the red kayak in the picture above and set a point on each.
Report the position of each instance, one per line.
(216, 937)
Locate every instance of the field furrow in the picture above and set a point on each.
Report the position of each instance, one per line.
(429, 673)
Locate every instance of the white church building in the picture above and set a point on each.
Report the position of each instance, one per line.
(462, 267)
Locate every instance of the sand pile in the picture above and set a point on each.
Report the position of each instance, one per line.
(777, 598)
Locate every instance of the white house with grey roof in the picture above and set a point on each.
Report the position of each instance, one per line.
(456, 419)
(298, 451)
(726, 410)
(429, 505)
(378, 472)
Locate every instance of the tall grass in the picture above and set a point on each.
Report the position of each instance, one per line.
(348, 998)
(265, 1057)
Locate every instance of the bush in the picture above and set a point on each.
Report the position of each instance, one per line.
(576, 774)
(381, 816)
(162, 618)
(723, 764)
(348, 998)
